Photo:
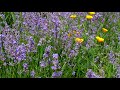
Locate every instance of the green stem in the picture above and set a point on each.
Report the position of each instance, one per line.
(21, 20)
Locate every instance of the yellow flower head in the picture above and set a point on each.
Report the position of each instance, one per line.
(99, 39)
(79, 40)
(91, 13)
(73, 16)
(104, 30)
(69, 34)
(89, 17)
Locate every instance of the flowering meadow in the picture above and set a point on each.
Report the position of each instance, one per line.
(60, 45)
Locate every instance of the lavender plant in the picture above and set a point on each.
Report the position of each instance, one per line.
(59, 44)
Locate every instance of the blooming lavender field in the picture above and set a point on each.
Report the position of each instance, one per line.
(60, 45)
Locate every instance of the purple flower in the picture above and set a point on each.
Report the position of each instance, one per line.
(55, 62)
(55, 19)
(45, 55)
(20, 52)
(1, 35)
(55, 56)
(91, 74)
(25, 66)
(118, 72)
(65, 14)
(54, 32)
(72, 53)
(55, 67)
(14, 42)
(103, 20)
(88, 45)
(119, 37)
(68, 45)
(65, 37)
(111, 57)
(15, 61)
(32, 73)
(31, 44)
(44, 24)
(97, 15)
(56, 74)
(47, 51)
(76, 46)
(43, 64)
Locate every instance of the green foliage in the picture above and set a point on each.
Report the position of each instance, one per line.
(10, 18)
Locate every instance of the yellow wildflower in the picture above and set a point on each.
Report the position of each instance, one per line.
(79, 40)
(73, 16)
(99, 39)
(91, 13)
(104, 30)
(69, 34)
(89, 17)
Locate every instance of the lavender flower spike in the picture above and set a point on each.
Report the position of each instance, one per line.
(55, 56)
(91, 74)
